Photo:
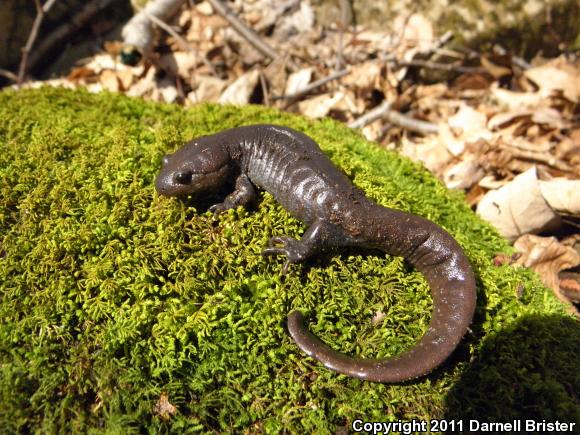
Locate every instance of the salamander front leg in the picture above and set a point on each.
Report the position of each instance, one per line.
(244, 194)
(318, 236)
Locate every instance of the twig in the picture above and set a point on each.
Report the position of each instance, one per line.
(371, 116)
(441, 66)
(440, 42)
(40, 12)
(59, 34)
(249, 34)
(343, 23)
(8, 75)
(515, 59)
(412, 124)
(383, 111)
(264, 86)
(545, 158)
(312, 86)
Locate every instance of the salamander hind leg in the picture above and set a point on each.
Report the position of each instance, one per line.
(317, 237)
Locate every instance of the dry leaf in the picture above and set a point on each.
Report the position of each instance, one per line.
(145, 85)
(432, 152)
(364, 76)
(470, 123)
(515, 100)
(547, 257)
(490, 182)
(446, 137)
(126, 77)
(378, 317)
(415, 31)
(204, 8)
(321, 105)
(570, 288)
(548, 117)
(518, 207)
(505, 119)
(168, 90)
(497, 71)
(163, 408)
(372, 132)
(556, 75)
(110, 81)
(181, 63)
(473, 82)
(464, 174)
(81, 74)
(298, 81)
(101, 62)
(240, 91)
(209, 89)
(296, 23)
(562, 195)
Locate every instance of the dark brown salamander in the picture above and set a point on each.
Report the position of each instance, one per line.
(291, 166)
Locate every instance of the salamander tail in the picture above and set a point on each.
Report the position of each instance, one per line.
(438, 256)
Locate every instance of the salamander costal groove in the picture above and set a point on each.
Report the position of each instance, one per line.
(291, 166)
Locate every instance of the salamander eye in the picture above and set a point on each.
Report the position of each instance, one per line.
(182, 177)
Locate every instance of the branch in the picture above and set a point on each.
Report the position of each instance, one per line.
(8, 75)
(383, 111)
(312, 86)
(343, 23)
(536, 156)
(515, 59)
(440, 42)
(371, 116)
(440, 66)
(138, 32)
(249, 34)
(40, 12)
(412, 124)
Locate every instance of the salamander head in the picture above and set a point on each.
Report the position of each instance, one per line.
(200, 166)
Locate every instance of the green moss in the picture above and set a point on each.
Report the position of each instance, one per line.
(112, 295)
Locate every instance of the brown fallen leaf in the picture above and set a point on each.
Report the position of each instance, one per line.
(469, 125)
(571, 289)
(240, 91)
(547, 257)
(209, 89)
(562, 195)
(321, 105)
(495, 68)
(518, 208)
(298, 81)
(110, 81)
(515, 100)
(501, 259)
(432, 152)
(556, 75)
(145, 85)
(163, 409)
(463, 174)
(364, 76)
(180, 63)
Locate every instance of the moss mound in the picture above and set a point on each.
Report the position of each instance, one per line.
(122, 311)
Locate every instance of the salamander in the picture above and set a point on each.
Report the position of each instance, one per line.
(292, 167)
